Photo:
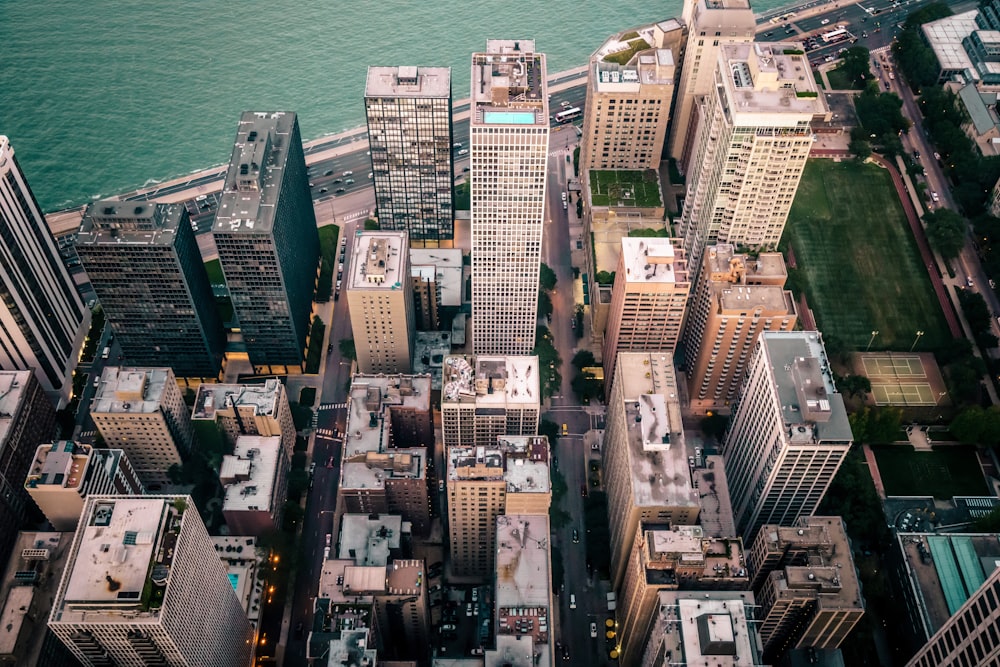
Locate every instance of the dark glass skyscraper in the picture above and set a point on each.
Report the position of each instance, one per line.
(144, 264)
(265, 232)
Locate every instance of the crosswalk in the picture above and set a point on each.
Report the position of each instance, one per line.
(333, 406)
(325, 432)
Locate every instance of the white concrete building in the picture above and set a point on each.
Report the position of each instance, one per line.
(254, 478)
(484, 397)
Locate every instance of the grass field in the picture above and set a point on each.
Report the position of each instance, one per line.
(840, 81)
(943, 472)
(857, 259)
(625, 188)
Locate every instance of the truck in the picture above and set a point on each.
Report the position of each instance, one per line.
(106, 352)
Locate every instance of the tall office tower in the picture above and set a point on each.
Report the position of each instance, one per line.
(142, 411)
(751, 147)
(485, 397)
(380, 295)
(648, 301)
(509, 132)
(388, 442)
(735, 299)
(789, 432)
(64, 473)
(43, 319)
(969, 637)
(145, 266)
(710, 23)
(671, 558)
(510, 477)
(714, 628)
(646, 472)
(523, 592)
(254, 479)
(628, 103)
(409, 133)
(809, 595)
(224, 412)
(265, 231)
(143, 586)
(26, 421)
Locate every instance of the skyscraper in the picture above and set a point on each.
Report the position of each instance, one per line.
(484, 397)
(509, 130)
(144, 586)
(410, 136)
(735, 299)
(789, 432)
(43, 319)
(380, 295)
(751, 146)
(709, 23)
(145, 266)
(265, 232)
(648, 301)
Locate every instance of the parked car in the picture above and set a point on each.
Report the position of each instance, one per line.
(593, 629)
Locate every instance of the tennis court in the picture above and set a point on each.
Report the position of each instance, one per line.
(902, 379)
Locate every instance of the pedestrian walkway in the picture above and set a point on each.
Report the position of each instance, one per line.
(332, 406)
(873, 469)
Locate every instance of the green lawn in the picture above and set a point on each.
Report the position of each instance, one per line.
(840, 81)
(858, 261)
(625, 188)
(214, 269)
(943, 472)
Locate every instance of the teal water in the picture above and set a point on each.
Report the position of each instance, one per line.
(104, 96)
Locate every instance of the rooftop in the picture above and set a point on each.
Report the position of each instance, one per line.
(687, 548)
(248, 474)
(508, 85)
(131, 390)
(716, 515)
(62, 464)
(112, 222)
(263, 398)
(491, 381)
(11, 385)
(239, 554)
(351, 648)
(769, 84)
(526, 463)
(945, 37)
(656, 452)
(447, 266)
(743, 298)
(408, 81)
(723, 264)
(945, 570)
(513, 651)
(652, 260)
(709, 629)
(429, 351)
(256, 169)
(812, 409)
(369, 540)
(523, 583)
(378, 260)
(405, 577)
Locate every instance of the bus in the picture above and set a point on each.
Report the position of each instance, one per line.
(568, 115)
(834, 36)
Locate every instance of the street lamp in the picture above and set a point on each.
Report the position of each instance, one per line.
(871, 340)
(919, 334)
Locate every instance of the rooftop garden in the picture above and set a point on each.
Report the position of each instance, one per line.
(639, 188)
(622, 57)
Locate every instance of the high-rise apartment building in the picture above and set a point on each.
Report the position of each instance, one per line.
(509, 132)
(142, 411)
(485, 397)
(143, 586)
(671, 558)
(710, 23)
(628, 103)
(806, 585)
(970, 635)
(227, 411)
(648, 301)
(523, 593)
(43, 319)
(265, 232)
(388, 441)
(409, 132)
(510, 477)
(254, 480)
(751, 146)
(144, 264)
(713, 628)
(789, 432)
(735, 299)
(646, 471)
(380, 295)
(64, 473)
(26, 421)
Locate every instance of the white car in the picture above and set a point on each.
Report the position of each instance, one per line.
(593, 630)
(348, 173)
(824, 21)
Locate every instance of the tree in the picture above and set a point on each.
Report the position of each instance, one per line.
(347, 349)
(946, 232)
(550, 429)
(855, 65)
(856, 385)
(967, 426)
(371, 225)
(583, 359)
(548, 361)
(586, 386)
(544, 305)
(604, 278)
(547, 278)
(977, 313)
(860, 149)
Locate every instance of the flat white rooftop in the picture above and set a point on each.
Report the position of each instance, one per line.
(945, 37)
(651, 260)
(248, 474)
(369, 540)
(377, 261)
(491, 381)
(769, 84)
(12, 384)
(263, 398)
(408, 81)
(130, 390)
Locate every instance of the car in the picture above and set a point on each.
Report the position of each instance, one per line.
(864, 35)
(468, 609)
(457, 144)
(576, 536)
(322, 190)
(937, 156)
(916, 155)
(824, 21)
(370, 173)
(565, 207)
(993, 284)
(349, 181)
(329, 539)
(563, 196)
(583, 490)
(593, 630)
(311, 184)
(338, 180)
(340, 266)
(340, 275)
(312, 467)
(479, 650)
(968, 281)
(348, 173)
(596, 446)
(342, 256)
(340, 191)
(328, 172)
(339, 282)
(768, 34)
(572, 601)
(465, 169)
(343, 241)
(934, 197)
(464, 151)
(448, 627)
(564, 104)
(565, 429)
(329, 462)
(565, 652)
(475, 594)
(434, 589)
(440, 485)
